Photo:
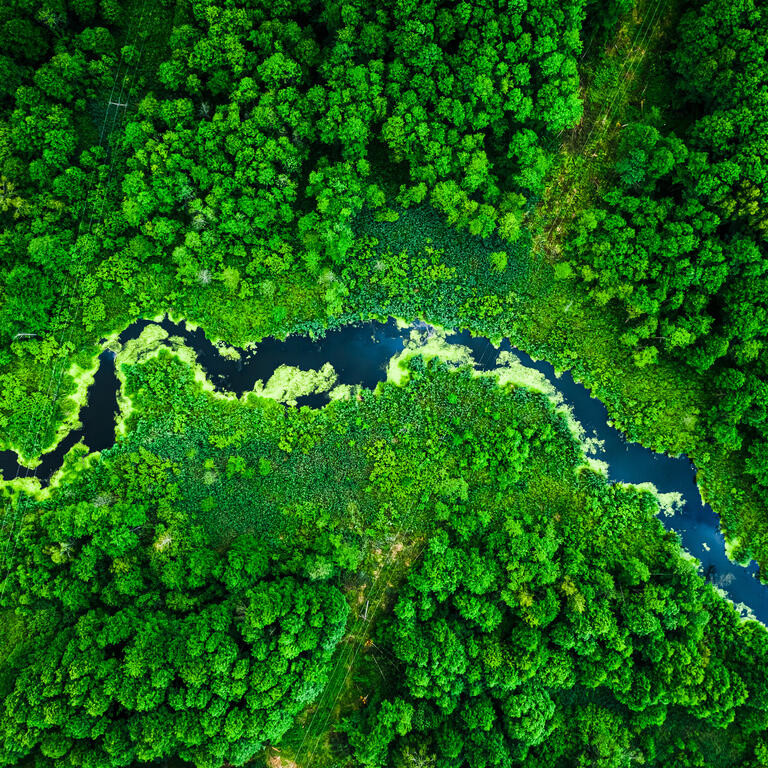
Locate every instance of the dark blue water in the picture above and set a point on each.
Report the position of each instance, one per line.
(97, 417)
(359, 355)
(697, 524)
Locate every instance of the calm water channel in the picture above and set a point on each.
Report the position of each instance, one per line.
(360, 354)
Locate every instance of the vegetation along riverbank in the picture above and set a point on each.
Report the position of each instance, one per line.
(188, 592)
(428, 575)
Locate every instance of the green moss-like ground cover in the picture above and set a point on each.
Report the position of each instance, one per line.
(361, 498)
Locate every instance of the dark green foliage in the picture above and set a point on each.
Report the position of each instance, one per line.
(417, 266)
(182, 595)
(601, 19)
(680, 238)
(28, 302)
(287, 166)
(290, 128)
(539, 641)
(154, 644)
(254, 138)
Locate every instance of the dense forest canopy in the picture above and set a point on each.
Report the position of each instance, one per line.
(430, 575)
(680, 237)
(262, 135)
(184, 594)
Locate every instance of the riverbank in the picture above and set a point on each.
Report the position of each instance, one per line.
(409, 263)
(354, 358)
(358, 494)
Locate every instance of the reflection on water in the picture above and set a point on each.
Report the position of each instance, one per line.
(359, 354)
(97, 431)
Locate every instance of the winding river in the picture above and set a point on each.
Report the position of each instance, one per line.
(360, 354)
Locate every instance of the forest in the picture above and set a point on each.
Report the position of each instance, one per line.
(187, 592)
(430, 574)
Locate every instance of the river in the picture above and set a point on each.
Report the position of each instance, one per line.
(360, 354)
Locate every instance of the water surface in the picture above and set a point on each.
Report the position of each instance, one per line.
(359, 355)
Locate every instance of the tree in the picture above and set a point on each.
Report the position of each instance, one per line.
(158, 646)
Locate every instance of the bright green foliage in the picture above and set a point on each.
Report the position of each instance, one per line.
(149, 643)
(182, 595)
(279, 128)
(256, 137)
(540, 640)
(680, 239)
(267, 131)
(53, 59)
(548, 617)
(284, 167)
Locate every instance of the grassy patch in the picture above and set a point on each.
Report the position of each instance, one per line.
(619, 84)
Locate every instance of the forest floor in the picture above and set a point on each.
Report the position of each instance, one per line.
(359, 668)
(616, 85)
